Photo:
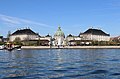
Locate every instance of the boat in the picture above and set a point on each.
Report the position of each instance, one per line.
(1, 47)
(9, 46)
(19, 49)
(10, 49)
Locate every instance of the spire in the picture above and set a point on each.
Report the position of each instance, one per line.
(59, 28)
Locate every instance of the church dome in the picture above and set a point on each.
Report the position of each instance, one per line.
(59, 32)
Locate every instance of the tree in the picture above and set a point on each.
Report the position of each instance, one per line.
(8, 35)
(17, 41)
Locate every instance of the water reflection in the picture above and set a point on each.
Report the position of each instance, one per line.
(59, 56)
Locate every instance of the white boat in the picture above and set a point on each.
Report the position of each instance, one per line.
(19, 49)
(1, 47)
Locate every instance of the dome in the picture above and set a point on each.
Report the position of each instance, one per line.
(59, 32)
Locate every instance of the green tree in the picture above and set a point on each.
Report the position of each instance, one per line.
(8, 35)
(17, 41)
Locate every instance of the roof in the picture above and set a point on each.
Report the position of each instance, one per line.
(1, 36)
(70, 35)
(80, 41)
(48, 35)
(59, 32)
(115, 38)
(95, 32)
(24, 31)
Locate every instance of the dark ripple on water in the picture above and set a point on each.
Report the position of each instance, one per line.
(99, 72)
(115, 74)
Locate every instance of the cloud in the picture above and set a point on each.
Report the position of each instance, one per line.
(9, 20)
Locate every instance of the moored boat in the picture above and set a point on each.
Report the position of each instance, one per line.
(9, 46)
(19, 49)
(1, 47)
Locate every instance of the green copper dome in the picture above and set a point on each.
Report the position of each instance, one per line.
(59, 32)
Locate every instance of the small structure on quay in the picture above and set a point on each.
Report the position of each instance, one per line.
(72, 40)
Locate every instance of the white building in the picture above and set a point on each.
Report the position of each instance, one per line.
(27, 35)
(71, 40)
(59, 38)
(24, 34)
(46, 40)
(95, 35)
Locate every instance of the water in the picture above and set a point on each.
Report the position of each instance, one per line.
(60, 64)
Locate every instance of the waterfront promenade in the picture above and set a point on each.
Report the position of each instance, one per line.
(71, 47)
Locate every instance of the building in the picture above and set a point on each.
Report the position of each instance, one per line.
(72, 40)
(89, 37)
(95, 35)
(76, 41)
(45, 40)
(29, 37)
(5, 40)
(24, 34)
(115, 39)
(59, 38)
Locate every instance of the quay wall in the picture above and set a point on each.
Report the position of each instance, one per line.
(71, 47)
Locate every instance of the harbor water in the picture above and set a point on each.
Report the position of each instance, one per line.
(60, 64)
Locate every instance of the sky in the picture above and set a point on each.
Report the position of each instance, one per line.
(73, 16)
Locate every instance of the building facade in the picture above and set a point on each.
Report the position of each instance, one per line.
(95, 35)
(72, 40)
(45, 40)
(24, 34)
(115, 39)
(85, 38)
(59, 38)
(29, 37)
